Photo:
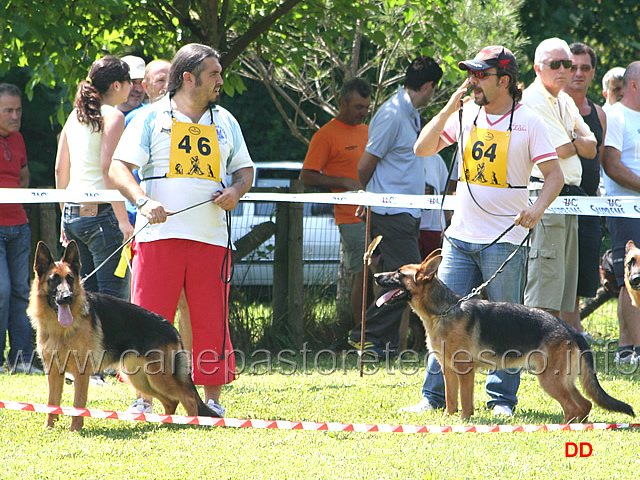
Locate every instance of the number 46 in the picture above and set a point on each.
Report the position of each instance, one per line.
(203, 145)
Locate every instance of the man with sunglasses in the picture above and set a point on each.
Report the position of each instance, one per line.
(499, 140)
(552, 276)
(583, 70)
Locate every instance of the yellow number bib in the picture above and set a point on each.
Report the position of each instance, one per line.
(194, 151)
(485, 158)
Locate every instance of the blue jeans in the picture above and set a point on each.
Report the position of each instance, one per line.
(15, 246)
(462, 273)
(97, 238)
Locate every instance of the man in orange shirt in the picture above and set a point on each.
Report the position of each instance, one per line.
(332, 163)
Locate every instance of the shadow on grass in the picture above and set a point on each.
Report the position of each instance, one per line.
(128, 431)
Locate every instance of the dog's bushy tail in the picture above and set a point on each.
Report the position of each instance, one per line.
(592, 386)
(204, 410)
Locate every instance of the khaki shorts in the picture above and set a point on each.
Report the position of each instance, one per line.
(353, 245)
(552, 274)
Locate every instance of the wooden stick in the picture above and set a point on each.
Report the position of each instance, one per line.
(366, 259)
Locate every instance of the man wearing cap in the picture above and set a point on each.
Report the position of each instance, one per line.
(552, 276)
(499, 141)
(136, 94)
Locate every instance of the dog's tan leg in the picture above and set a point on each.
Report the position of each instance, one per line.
(583, 403)
(81, 390)
(570, 382)
(55, 380)
(450, 390)
(552, 380)
(466, 388)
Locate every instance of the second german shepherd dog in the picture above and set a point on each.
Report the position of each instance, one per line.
(82, 333)
(632, 272)
(496, 335)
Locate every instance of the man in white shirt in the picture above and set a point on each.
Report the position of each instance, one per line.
(552, 276)
(621, 164)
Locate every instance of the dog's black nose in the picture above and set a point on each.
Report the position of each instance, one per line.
(66, 299)
(634, 281)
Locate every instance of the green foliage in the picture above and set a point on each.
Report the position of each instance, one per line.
(375, 40)
(610, 27)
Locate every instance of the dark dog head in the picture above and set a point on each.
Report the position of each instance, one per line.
(59, 281)
(408, 281)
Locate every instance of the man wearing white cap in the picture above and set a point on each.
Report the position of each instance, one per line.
(136, 94)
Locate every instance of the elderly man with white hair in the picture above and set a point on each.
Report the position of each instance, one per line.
(612, 84)
(553, 259)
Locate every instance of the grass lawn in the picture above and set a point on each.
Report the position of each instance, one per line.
(287, 391)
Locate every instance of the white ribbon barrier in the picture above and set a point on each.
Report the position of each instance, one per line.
(594, 206)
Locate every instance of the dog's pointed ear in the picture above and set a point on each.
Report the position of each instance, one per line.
(72, 257)
(629, 246)
(43, 259)
(429, 266)
(436, 253)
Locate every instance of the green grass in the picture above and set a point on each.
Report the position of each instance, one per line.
(120, 449)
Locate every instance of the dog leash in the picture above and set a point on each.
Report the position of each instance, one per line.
(476, 291)
(117, 250)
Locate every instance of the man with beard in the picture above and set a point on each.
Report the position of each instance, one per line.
(189, 249)
(499, 141)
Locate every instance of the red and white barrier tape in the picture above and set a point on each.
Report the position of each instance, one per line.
(311, 426)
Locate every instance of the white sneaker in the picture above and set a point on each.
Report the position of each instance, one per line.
(216, 407)
(140, 406)
(98, 381)
(422, 406)
(502, 410)
(630, 358)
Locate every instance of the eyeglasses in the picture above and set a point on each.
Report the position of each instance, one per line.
(7, 150)
(479, 74)
(585, 68)
(555, 64)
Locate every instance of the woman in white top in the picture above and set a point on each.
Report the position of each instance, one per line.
(86, 146)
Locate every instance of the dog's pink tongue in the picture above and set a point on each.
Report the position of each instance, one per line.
(382, 299)
(64, 315)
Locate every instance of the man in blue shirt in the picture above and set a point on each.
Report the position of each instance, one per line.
(388, 165)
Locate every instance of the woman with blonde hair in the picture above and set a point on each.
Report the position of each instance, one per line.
(86, 146)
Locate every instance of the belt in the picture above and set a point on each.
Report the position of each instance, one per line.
(536, 179)
(86, 209)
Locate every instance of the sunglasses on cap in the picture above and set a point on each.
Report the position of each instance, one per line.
(555, 64)
(583, 68)
(480, 75)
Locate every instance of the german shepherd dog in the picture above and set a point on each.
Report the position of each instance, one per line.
(632, 272)
(496, 335)
(82, 333)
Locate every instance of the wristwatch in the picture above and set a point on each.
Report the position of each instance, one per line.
(141, 202)
(574, 135)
